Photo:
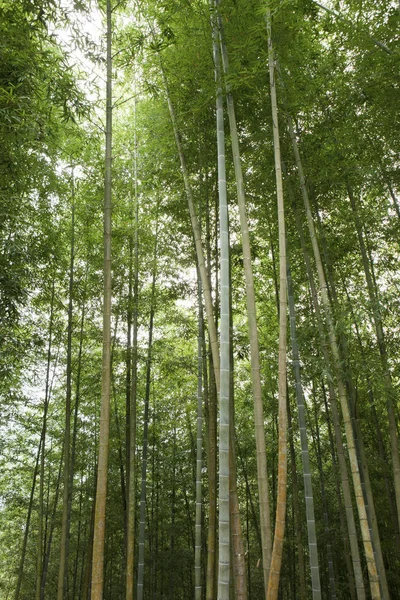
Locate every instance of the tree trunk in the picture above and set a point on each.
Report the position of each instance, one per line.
(211, 440)
(199, 452)
(101, 491)
(377, 319)
(51, 531)
(328, 532)
(172, 530)
(28, 521)
(368, 492)
(40, 554)
(297, 515)
(224, 516)
(142, 522)
(212, 331)
(128, 386)
(89, 551)
(358, 439)
(344, 403)
(346, 494)
(212, 488)
(336, 421)
(238, 570)
(252, 325)
(348, 551)
(78, 543)
(277, 550)
(120, 450)
(378, 434)
(77, 402)
(63, 566)
(157, 502)
(308, 491)
(205, 279)
(131, 473)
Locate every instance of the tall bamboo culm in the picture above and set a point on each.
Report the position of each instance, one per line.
(305, 456)
(104, 436)
(68, 475)
(42, 450)
(224, 515)
(355, 577)
(262, 474)
(206, 287)
(199, 449)
(380, 336)
(130, 543)
(344, 403)
(277, 550)
(142, 517)
(205, 279)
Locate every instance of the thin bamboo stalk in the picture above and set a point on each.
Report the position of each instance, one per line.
(199, 449)
(224, 513)
(262, 474)
(277, 550)
(142, 518)
(305, 456)
(351, 448)
(104, 436)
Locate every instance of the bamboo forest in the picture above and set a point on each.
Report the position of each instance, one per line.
(199, 299)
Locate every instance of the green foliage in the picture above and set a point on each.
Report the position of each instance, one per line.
(342, 89)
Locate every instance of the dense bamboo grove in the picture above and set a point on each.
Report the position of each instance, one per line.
(199, 300)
